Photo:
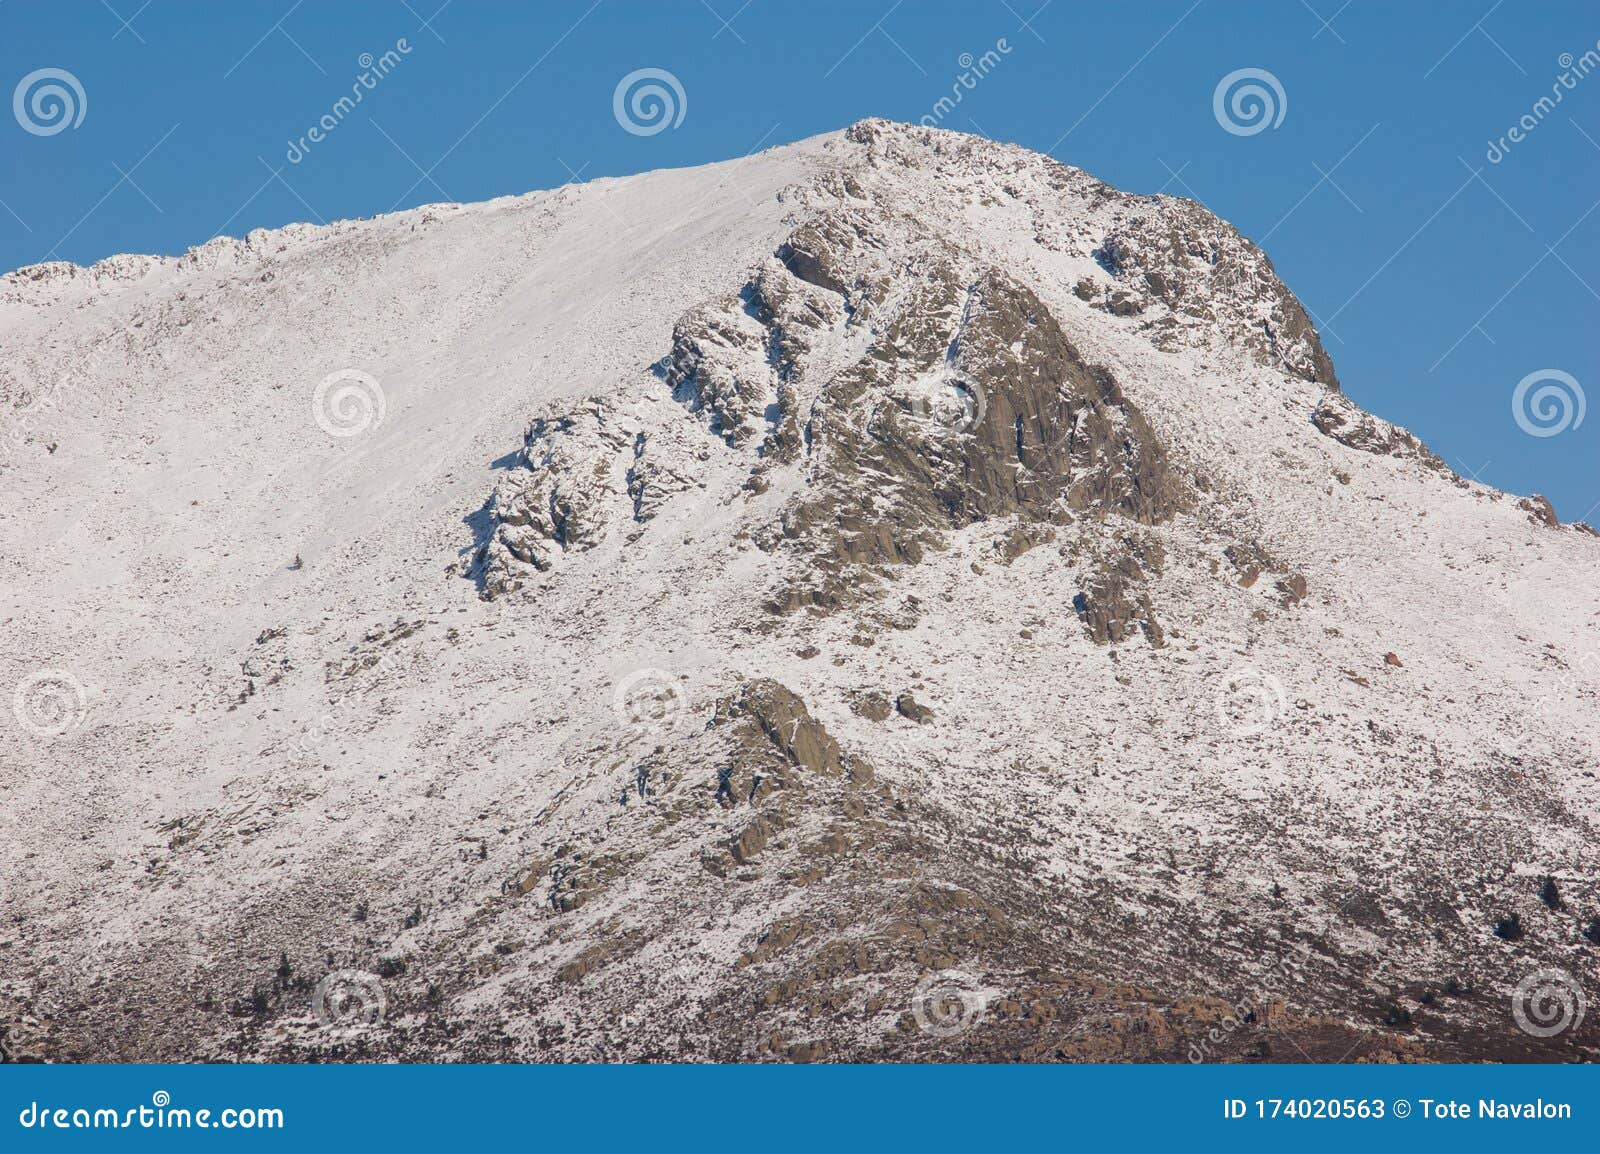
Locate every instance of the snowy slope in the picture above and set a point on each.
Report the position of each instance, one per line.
(889, 596)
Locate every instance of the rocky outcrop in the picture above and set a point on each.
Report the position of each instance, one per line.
(1540, 511)
(768, 721)
(1249, 561)
(782, 721)
(967, 403)
(919, 388)
(1337, 417)
(775, 755)
(1212, 282)
(1114, 602)
(557, 498)
(916, 388)
(720, 360)
(908, 707)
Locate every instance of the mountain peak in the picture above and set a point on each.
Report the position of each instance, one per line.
(740, 612)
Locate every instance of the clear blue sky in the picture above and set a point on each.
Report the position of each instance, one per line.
(1439, 290)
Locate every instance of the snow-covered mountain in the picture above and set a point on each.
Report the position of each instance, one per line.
(892, 596)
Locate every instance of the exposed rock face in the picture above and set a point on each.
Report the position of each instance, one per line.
(872, 706)
(1336, 416)
(971, 405)
(766, 712)
(924, 393)
(908, 707)
(1115, 605)
(557, 498)
(919, 389)
(1210, 278)
(1540, 511)
(1114, 597)
(1249, 561)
